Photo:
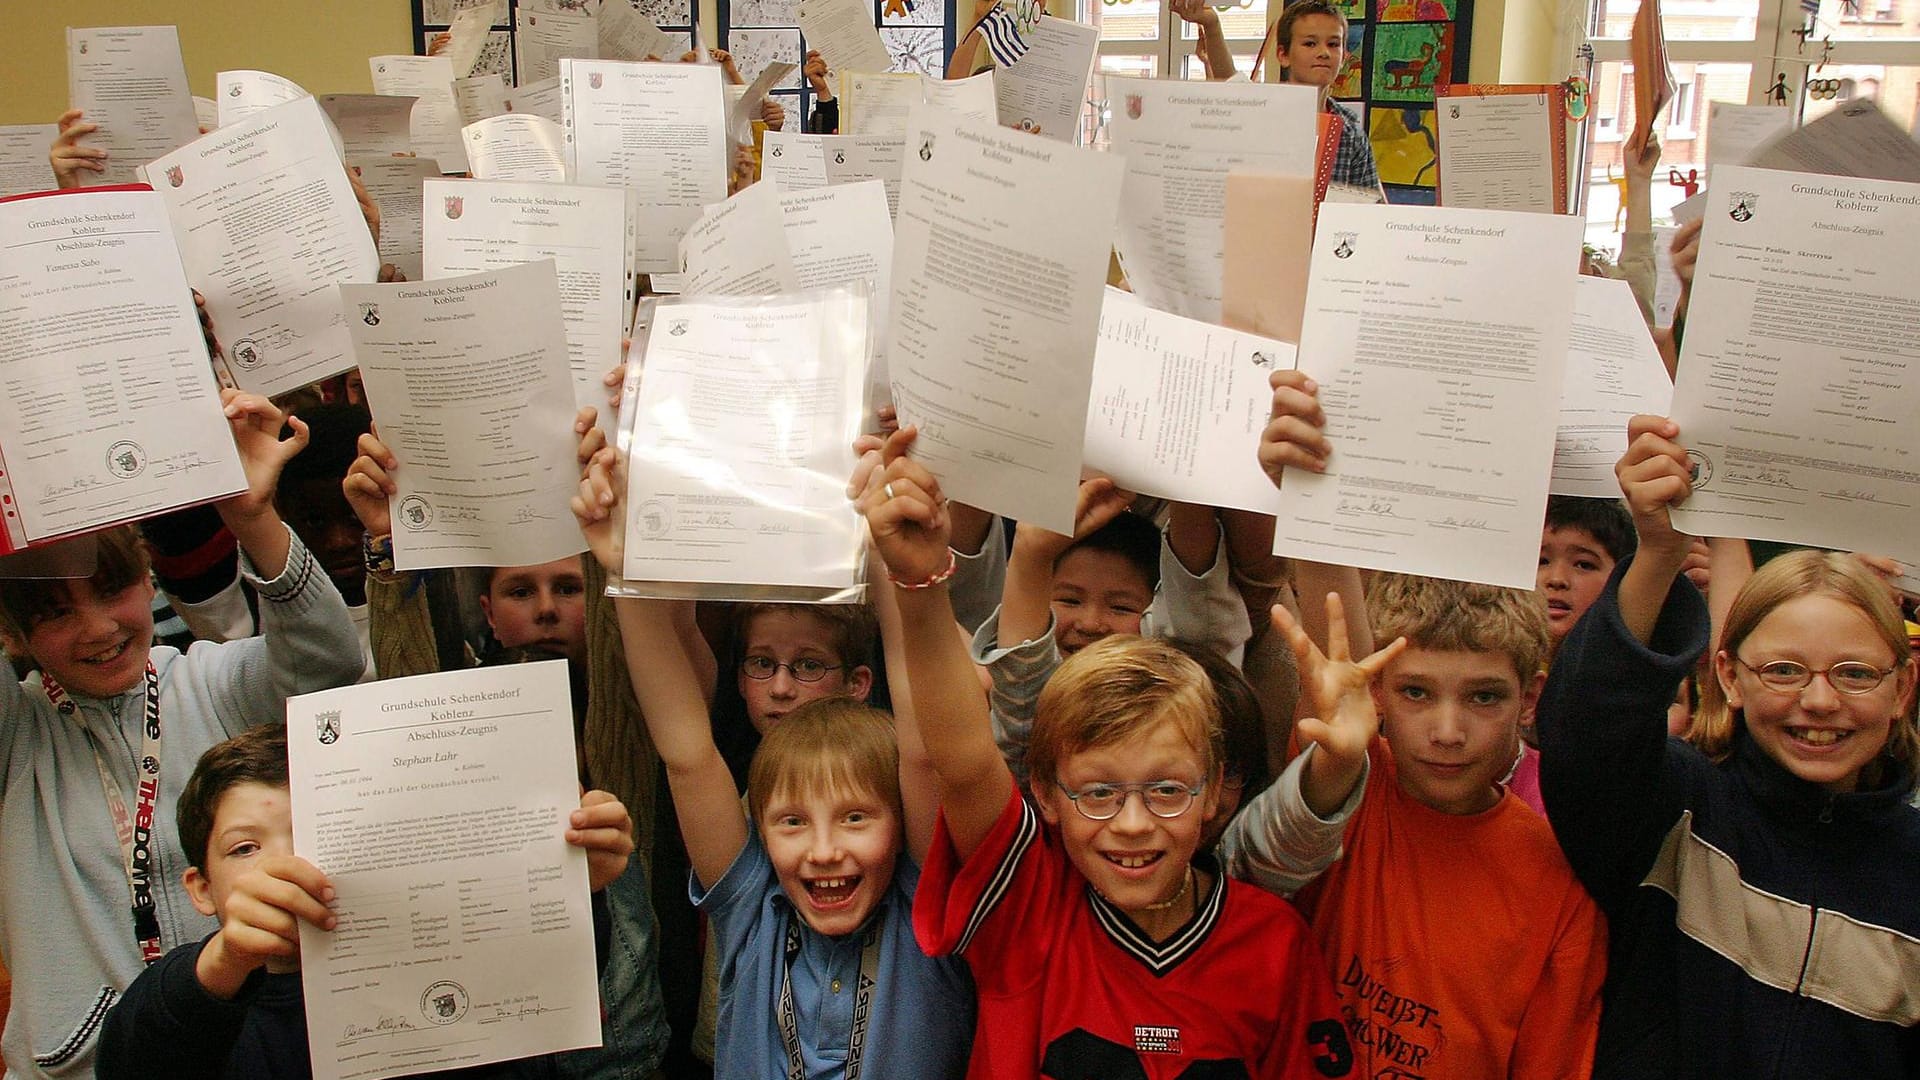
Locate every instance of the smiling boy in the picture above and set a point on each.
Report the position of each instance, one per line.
(1459, 942)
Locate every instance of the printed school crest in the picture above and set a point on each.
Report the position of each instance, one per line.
(443, 1003)
(839, 157)
(677, 327)
(246, 353)
(1453, 112)
(455, 205)
(174, 176)
(593, 80)
(126, 459)
(83, 48)
(370, 314)
(234, 90)
(1343, 244)
(1134, 106)
(416, 513)
(926, 149)
(327, 727)
(1742, 204)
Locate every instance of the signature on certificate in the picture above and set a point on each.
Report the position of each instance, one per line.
(1470, 523)
(386, 1025)
(526, 514)
(1371, 507)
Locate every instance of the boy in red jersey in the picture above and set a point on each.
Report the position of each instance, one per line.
(1100, 945)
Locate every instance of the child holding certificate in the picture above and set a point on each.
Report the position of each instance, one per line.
(98, 742)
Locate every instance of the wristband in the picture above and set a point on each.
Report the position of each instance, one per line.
(378, 553)
(939, 578)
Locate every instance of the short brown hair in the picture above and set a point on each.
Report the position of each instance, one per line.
(1115, 689)
(1459, 616)
(1300, 9)
(1788, 577)
(123, 561)
(834, 743)
(255, 756)
(851, 629)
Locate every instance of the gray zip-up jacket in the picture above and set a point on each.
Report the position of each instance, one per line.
(65, 913)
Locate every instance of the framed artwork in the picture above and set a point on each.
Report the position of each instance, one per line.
(1409, 60)
(1406, 143)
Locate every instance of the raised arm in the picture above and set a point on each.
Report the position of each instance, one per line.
(1655, 476)
(668, 690)
(1025, 601)
(907, 517)
(1212, 46)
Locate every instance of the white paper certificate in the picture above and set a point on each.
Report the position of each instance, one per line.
(1496, 151)
(437, 806)
(1614, 373)
(23, 158)
(743, 415)
(658, 129)
(107, 402)
(240, 94)
(371, 125)
(474, 226)
(843, 32)
(542, 39)
(131, 81)
(517, 146)
(795, 162)
(1180, 139)
(434, 126)
(996, 305)
(1739, 130)
(1044, 91)
(1441, 382)
(1178, 406)
(394, 184)
(1800, 373)
(468, 380)
(267, 225)
(877, 103)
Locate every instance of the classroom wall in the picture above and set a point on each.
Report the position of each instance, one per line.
(321, 45)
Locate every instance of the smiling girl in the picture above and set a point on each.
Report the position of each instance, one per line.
(1761, 890)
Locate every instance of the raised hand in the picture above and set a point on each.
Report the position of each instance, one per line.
(256, 424)
(68, 158)
(369, 484)
(905, 511)
(1295, 435)
(1656, 476)
(1334, 685)
(603, 827)
(261, 919)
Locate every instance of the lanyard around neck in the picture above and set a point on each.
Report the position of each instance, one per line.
(136, 830)
(862, 1001)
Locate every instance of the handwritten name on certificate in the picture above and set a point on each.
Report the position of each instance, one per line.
(740, 429)
(438, 806)
(1439, 339)
(110, 410)
(1800, 377)
(268, 224)
(468, 381)
(996, 305)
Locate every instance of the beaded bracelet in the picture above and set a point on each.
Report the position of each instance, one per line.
(940, 578)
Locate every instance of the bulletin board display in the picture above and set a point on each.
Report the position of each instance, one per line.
(1399, 54)
(919, 36)
(434, 17)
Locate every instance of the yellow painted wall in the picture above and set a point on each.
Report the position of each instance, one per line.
(321, 44)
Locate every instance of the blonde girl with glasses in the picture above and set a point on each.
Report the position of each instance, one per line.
(1759, 881)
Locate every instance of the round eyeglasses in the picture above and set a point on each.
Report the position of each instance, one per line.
(762, 668)
(1102, 802)
(1790, 677)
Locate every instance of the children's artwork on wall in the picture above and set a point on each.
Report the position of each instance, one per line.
(1354, 10)
(664, 13)
(764, 13)
(1405, 141)
(432, 19)
(1409, 59)
(913, 13)
(915, 49)
(1352, 82)
(1417, 10)
(753, 50)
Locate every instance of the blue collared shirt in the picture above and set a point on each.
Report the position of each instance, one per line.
(922, 1022)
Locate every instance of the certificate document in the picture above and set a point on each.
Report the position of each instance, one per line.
(536, 99)
(434, 126)
(1441, 381)
(23, 158)
(1798, 382)
(240, 94)
(517, 146)
(1614, 373)
(108, 406)
(468, 379)
(480, 97)
(796, 162)
(131, 81)
(739, 438)
(542, 39)
(438, 808)
(996, 305)
(657, 129)
(1178, 406)
(1497, 150)
(738, 248)
(1044, 91)
(877, 102)
(267, 225)
(843, 32)
(371, 125)
(1856, 139)
(1180, 139)
(394, 184)
(474, 226)
(1739, 130)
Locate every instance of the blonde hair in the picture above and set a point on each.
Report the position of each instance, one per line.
(833, 744)
(1458, 616)
(1115, 689)
(1793, 575)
